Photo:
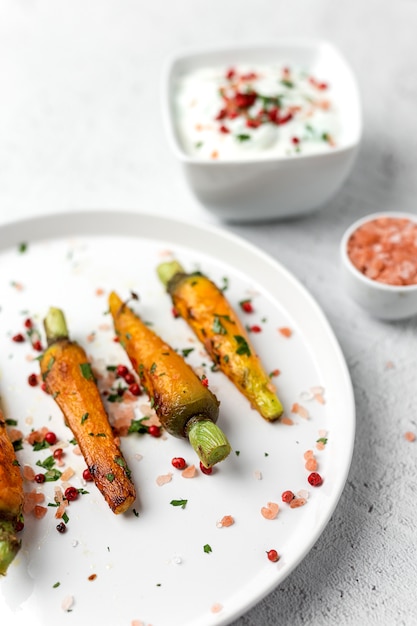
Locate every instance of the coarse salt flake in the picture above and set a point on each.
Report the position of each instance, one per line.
(67, 603)
(270, 511)
(311, 464)
(300, 410)
(225, 522)
(67, 474)
(257, 474)
(176, 559)
(163, 479)
(297, 502)
(104, 327)
(189, 472)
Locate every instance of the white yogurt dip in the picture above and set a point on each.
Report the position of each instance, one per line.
(248, 112)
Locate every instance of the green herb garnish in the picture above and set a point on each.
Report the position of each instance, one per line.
(181, 503)
(242, 348)
(86, 371)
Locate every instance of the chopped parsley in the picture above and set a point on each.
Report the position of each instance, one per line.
(40, 445)
(22, 247)
(47, 463)
(86, 371)
(84, 417)
(218, 327)
(242, 346)
(181, 503)
(207, 549)
(52, 475)
(136, 426)
(242, 137)
(225, 283)
(48, 367)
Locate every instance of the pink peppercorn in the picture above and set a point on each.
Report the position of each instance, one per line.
(246, 305)
(121, 370)
(129, 378)
(315, 479)
(178, 462)
(273, 556)
(33, 380)
(206, 470)
(134, 389)
(87, 475)
(50, 438)
(19, 525)
(154, 430)
(58, 454)
(287, 496)
(71, 493)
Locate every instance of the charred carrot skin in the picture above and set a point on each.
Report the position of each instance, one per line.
(210, 315)
(11, 499)
(185, 407)
(69, 379)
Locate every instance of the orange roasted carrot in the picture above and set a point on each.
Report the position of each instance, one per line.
(185, 407)
(210, 315)
(69, 379)
(11, 499)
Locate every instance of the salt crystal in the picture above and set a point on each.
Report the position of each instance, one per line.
(67, 603)
(177, 560)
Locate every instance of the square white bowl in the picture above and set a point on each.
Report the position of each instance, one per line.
(269, 187)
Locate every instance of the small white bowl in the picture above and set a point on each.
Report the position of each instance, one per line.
(383, 301)
(269, 187)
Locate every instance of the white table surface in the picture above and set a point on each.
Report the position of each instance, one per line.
(80, 128)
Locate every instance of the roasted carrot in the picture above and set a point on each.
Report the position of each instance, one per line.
(185, 407)
(69, 379)
(11, 499)
(210, 315)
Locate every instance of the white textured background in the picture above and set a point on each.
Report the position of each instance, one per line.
(80, 127)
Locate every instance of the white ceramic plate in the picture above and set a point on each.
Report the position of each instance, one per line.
(153, 568)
